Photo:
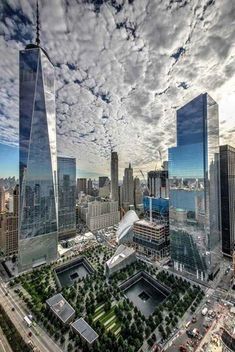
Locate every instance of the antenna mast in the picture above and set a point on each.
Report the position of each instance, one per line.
(37, 27)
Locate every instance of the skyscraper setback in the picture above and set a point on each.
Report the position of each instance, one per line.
(194, 188)
(114, 176)
(38, 218)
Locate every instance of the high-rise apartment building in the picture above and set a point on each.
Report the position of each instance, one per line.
(38, 218)
(89, 187)
(9, 228)
(158, 183)
(227, 187)
(138, 194)
(66, 196)
(128, 188)
(194, 189)
(104, 188)
(2, 199)
(114, 176)
(81, 185)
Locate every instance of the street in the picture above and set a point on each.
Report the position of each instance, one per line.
(39, 338)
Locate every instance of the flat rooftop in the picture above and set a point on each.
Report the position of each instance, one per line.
(149, 224)
(85, 330)
(60, 307)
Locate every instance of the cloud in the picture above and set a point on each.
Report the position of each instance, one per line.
(122, 68)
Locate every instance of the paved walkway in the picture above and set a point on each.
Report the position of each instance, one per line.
(4, 345)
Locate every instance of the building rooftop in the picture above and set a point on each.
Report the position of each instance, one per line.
(85, 330)
(229, 324)
(147, 223)
(61, 308)
(121, 253)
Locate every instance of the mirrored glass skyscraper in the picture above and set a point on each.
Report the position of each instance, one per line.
(67, 196)
(38, 220)
(194, 196)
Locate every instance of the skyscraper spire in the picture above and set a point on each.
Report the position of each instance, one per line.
(38, 27)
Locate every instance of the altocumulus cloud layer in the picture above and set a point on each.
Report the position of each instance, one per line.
(122, 68)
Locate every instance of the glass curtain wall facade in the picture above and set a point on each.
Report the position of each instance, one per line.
(67, 196)
(194, 197)
(227, 181)
(38, 220)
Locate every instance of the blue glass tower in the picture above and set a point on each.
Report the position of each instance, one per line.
(38, 218)
(194, 188)
(67, 196)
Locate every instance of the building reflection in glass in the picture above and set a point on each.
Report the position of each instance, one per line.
(194, 188)
(38, 221)
(67, 196)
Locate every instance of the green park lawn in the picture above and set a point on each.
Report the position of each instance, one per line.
(108, 319)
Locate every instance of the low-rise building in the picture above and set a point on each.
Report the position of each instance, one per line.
(122, 257)
(81, 327)
(61, 308)
(228, 333)
(101, 214)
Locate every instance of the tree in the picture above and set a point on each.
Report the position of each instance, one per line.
(147, 331)
(150, 342)
(57, 335)
(107, 306)
(62, 339)
(70, 347)
(168, 331)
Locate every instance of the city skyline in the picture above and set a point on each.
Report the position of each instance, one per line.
(94, 255)
(97, 110)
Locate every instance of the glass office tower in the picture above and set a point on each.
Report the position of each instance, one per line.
(38, 221)
(67, 196)
(194, 196)
(227, 182)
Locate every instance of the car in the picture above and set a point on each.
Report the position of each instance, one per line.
(194, 320)
(190, 333)
(182, 348)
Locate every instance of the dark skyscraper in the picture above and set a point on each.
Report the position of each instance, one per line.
(194, 188)
(158, 183)
(81, 185)
(227, 181)
(38, 218)
(128, 188)
(90, 187)
(114, 176)
(102, 181)
(66, 196)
